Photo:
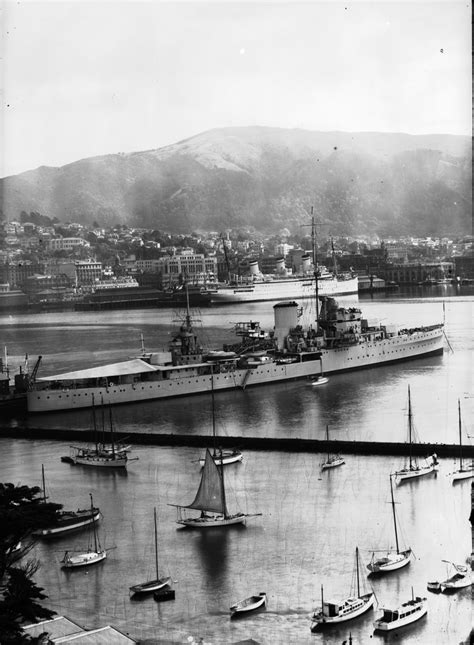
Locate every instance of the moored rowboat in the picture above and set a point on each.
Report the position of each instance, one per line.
(249, 604)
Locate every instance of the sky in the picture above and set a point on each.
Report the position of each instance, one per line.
(81, 79)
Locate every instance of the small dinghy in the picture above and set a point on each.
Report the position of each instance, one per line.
(434, 586)
(249, 604)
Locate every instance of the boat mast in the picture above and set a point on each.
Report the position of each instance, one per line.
(327, 439)
(44, 485)
(112, 440)
(315, 263)
(460, 435)
(94, 424)
(93, 525)
(357, 567)
(156, 543)
(224, 503)
(409, 427)
(213, 415)
(394, 515)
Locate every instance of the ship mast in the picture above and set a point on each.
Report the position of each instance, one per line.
(315, 263)
(460, 435)
(410, 427)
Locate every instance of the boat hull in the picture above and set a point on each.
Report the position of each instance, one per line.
(449, 587)
(150, 586)
(282, 289)
(69, 527)
(331, 360)
(468, 473)
(403, 475)
(84, 559)
(248, 605)
(100, 462)
(320, 621)
(211, 522)
(231, 458)
(333, 464)
(382, 626)
(391, 563)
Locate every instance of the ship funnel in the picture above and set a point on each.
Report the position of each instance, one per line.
(253, 267)
(286, 318)
(280, 266)
(306, 264)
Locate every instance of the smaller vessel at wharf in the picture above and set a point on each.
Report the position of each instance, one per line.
(248, 605)
(465, 471)
(211, 501)
(13, 387)
(102, 455)
(413, 469)
(393, 559)
(460, 578)
(320, 380)
(332, 461)
(221, 457)
(407, 613)
(95, 553)
(157, 583)
(66, 521)
(333, 612)
(340, 339)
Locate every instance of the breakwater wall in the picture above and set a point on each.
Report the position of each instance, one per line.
(284, 444)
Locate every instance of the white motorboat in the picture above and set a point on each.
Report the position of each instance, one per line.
(95, 553)
(393, 559)
(332, 461)
(247, 605)
(211, 501)
(333, 612)
(320, 380)
(413, 468)
(465, 470)
(407, 613)
(157, 582)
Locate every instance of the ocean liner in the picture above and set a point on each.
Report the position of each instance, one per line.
(258, 287)
(340, 339)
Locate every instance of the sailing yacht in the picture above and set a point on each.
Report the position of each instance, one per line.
(211, 500)
(223, 457)
(465, 471)
(392, 560)
(413, 468)
(66, 521)
(157, 583)
(86, 558)
(333, 612)
(102, 455)
(332, 461)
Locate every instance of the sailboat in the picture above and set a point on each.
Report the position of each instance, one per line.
(157, 583)
(333, 612)
(102, 455)
(91, 556)
(464, 471)
(223, 457)
(66, 521)
(332, 461)
(413, 469)
(393, 559)
(211, 500)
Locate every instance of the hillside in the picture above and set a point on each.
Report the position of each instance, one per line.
(264, 177)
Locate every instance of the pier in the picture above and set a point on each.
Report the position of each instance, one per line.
(283, 444)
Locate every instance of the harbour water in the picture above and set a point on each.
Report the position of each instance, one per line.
(311, 521)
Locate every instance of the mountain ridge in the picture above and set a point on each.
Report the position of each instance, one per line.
(262, 176)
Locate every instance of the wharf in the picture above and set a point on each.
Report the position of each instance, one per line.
(283, 444)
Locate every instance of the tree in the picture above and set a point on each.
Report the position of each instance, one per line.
(21, 512)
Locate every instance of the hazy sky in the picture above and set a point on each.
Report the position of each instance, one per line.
(82, 79)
